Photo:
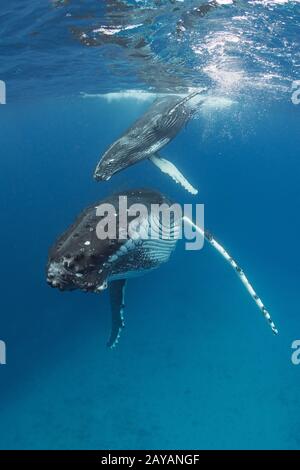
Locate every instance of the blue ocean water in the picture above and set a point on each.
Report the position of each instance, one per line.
(197, 366)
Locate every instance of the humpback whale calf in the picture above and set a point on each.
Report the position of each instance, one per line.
(152, 131)
(80, 259)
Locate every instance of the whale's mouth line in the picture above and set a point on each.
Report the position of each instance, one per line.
(98, 176)
(58, 276)
(57, 282)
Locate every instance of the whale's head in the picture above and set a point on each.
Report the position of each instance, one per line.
(78, 258)
(118, 156)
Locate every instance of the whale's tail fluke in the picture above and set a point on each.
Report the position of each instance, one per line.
(211, 240)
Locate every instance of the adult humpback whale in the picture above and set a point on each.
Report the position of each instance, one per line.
(152, 131)
(81, 260)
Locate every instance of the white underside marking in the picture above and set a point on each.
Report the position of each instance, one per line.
(147, 237)
(170, 169)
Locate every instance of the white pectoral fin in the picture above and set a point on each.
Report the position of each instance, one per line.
(170, 169)
(213, 242)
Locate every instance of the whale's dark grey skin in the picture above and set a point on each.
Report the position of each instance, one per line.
(152, 131)
(80, 260)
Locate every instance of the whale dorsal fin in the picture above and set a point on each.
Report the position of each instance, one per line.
(117, 294)
(170, 169)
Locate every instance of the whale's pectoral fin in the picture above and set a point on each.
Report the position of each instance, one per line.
(220, 249)
(170, 169)
(117, 294)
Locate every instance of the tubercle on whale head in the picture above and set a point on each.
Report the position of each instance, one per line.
(106, 168)
(99, 176)
(74, 277)
(58, 276)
